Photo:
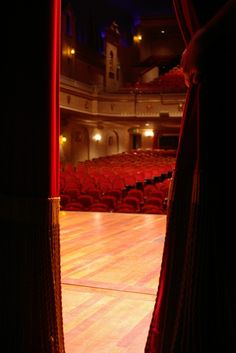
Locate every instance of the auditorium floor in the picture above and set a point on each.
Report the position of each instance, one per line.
(110, 264)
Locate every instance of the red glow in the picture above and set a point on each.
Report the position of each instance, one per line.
(55, 108)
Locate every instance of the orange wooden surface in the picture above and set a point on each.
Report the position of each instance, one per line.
(110, 265)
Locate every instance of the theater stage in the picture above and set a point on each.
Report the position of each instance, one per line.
(110, 265)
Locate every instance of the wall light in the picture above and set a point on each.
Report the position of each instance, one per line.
(137, 38)
(97, 137)
(148, 133)
(69, 52)
(62, 139)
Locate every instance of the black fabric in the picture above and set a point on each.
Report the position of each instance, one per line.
(195, 309)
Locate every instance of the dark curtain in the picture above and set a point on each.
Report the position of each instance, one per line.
(195, 305)
(31, 310)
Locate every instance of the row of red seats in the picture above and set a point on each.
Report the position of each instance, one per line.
(152, 199)
(170, 82)
(102, 178)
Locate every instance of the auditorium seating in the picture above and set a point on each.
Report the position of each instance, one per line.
(125, 182)
(136, 193)
(169, 82)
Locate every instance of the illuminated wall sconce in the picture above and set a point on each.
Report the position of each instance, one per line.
(148, 133)
(62, 139)
(137, 38)
(69, 52)
(97, 137)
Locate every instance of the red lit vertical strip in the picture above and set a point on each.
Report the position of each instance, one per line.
(55, 107)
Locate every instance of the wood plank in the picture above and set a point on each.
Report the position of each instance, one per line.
(110, 265)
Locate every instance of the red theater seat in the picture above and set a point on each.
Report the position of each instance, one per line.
(73, 206)
(99, 207)
(125, 209)
(86, 201)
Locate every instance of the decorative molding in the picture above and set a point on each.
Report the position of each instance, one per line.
(113, 105)
(86, 104)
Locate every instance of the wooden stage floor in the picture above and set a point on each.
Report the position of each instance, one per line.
(110, 265)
